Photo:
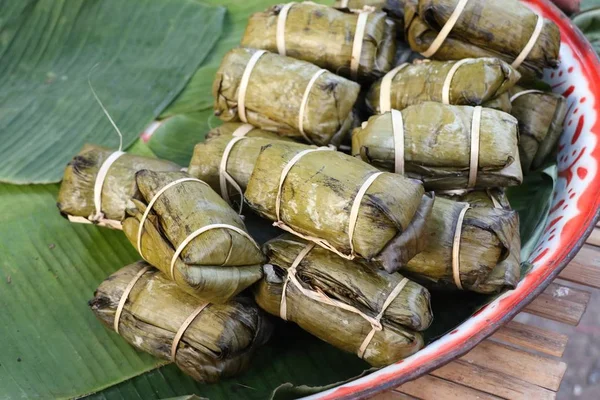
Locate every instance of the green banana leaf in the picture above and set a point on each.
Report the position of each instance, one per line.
(174, 137)
(532, 200)
(589, 22)
(52, 346)
(145, 51)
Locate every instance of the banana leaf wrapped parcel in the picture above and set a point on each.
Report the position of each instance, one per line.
(541, 116)
(446, 147)
(226, 162)
(218, 342)
(333, 39)
(291, 97)
(77, 197)
(348, 304)
(241, 129)
(505, 29)
(186, 230)
(340, 203)
(471, 248)
(393, 8)
(469, 82)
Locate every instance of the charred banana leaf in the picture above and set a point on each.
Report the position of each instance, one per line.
(541, 116)
(437, 146)
(326, 37)
(215, 265)
(319, 190)
(242, 154)
(76, 195)
(219, 342)
(493, 28)
(393, 8)
(276, 96)
(488, 255)
(471, 82)
(329, 297)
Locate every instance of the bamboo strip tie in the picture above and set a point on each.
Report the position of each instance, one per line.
(449, 77)
(474, 159)
(304, 102)
(225, 177)
(125, 295)
(524, 92)
(398, 131)
(281, 20)
(357, 44)
(244, 83)
(183, 328)
(385, 91)
(539, 25)
(446, 29)
(456, 247)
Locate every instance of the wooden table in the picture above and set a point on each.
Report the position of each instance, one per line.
(519, 361)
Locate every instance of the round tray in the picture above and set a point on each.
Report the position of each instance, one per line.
(573, 215)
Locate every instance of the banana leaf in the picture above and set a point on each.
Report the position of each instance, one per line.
(393, 8)
(541, 116)
(355, 284)
(240, 162)
(173, 138)
(317, 195)
(139, 55)
(490, 245)
(437, 146)
(219, 343)
(229, 128)
(76, 195)
(476, 82)
(274, 96)
(325, 37)
(493, 197)
(215, 266)
(492, 28)
(588, 21)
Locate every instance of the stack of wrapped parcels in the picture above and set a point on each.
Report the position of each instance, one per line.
(375, 211)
